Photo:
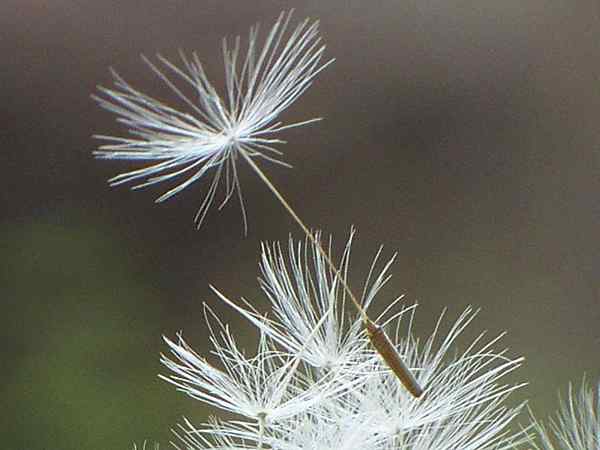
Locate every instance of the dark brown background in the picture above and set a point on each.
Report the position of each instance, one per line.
(462, 135)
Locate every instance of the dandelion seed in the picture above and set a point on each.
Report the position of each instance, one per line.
(213, 131)
(577, 423)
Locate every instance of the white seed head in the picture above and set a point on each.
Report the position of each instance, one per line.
(289, 397)
(209, 131)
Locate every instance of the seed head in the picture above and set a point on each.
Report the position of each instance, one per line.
(316, 382)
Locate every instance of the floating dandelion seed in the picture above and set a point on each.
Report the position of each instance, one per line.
(214, 131)
(577, 423)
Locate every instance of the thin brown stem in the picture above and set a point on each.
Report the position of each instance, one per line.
(376, 334)
(308, 233)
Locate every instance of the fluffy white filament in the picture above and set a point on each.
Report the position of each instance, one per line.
(209, 130)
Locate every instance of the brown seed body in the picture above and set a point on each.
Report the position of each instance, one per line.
(388, 352)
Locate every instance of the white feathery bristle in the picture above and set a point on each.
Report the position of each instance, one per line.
(208, 131)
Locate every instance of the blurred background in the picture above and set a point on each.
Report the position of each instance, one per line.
(463, 135)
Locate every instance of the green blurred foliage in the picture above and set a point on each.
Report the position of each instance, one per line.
(80, 342)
